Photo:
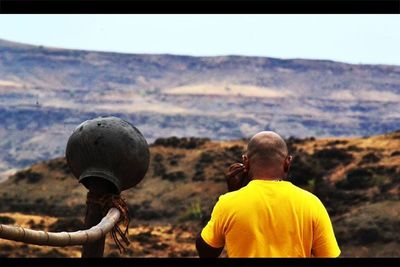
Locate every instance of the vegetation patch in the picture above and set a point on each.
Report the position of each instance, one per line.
(67, 224)
(144, 237)
(193, 213)
(233, 153)
(28, 176)
(36, 226)
(294, 140)
(207, 158)
(354, 148)
(370, 158)
(330, 158)
(174, 176)
(304, 169)
(395, 154)
(337, 142)
(199, 174)
(6, 220)
(184, 142)
(175, 159)
(59, 164)
(356, 179)
(146, 212)
(362, 178)
(338, 201)
(158, 166)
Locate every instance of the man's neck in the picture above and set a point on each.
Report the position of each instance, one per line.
(268, 176)
(268, 179)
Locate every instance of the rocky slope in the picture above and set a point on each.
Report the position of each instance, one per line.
(358, 179)
(46, 92)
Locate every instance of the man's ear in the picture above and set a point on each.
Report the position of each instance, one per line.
(246, 163)
(287, 164)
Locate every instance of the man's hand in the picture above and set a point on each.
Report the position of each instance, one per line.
(236, 177)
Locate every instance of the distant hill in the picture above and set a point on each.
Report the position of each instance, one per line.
(358, 179)
(45, 92)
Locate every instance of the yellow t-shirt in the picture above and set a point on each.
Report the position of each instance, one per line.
(271, 219)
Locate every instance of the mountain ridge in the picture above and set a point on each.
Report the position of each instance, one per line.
(45, 93)
(13, 44)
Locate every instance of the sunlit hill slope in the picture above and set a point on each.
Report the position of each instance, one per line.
(358, 179)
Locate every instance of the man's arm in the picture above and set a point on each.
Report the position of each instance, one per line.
(206, 251)
(324, 243)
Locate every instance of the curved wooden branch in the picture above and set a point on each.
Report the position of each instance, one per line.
(62, 239)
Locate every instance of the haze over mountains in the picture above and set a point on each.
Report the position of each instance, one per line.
(46, 92)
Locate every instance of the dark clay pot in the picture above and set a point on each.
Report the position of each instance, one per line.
(108, 148)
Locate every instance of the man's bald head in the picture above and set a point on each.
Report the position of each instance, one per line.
(267, 148)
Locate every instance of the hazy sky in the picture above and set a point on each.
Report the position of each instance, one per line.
(366, 39)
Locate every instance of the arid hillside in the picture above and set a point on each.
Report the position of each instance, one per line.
(358, 179)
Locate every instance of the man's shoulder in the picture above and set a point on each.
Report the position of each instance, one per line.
(306, 194)
(236, 195)
(228, 196)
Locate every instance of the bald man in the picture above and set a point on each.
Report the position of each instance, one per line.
(265, 215)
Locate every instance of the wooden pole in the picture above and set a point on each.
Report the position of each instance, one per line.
(61, 239)
(94, 213)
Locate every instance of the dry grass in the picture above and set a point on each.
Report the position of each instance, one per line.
(163, 240)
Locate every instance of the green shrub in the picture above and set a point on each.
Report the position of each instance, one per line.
(193, 213)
